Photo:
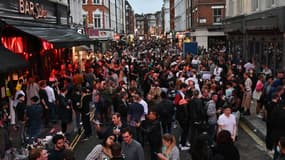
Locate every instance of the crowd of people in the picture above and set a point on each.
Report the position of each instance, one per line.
(139, 95)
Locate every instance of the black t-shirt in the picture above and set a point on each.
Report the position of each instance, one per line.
(55, 155)
(43, 96)
(20, 110)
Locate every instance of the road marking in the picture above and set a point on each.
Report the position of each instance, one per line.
(261, 144)
(78, 136)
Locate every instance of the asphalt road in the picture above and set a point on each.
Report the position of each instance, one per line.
(249, 147)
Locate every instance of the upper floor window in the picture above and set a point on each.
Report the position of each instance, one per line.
(254, 5)
(270, 3)
(96, 1)
(240, 7)
(84, 1)
(217, 15)
(97, 20)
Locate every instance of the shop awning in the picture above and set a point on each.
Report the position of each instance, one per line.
(10, 61)
(59, 36)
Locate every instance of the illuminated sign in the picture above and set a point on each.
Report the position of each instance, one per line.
(33, 9)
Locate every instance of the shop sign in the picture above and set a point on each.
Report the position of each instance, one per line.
(92, 33)
(33, 9)
(106, 34)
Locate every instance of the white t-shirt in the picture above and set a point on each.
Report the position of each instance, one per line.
(227, 123)
(145, 108)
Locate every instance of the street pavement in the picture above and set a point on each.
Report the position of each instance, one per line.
(250, 147)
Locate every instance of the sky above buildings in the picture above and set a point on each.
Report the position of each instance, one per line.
(146, 6)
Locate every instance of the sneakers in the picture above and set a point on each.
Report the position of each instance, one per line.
(188, 144)
(85, 139)
(184, 148)
(259, 116)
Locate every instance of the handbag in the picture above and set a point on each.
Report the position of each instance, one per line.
(256, 95)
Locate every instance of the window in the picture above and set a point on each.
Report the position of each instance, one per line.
(270, 3)
(240, 7)
(217, 15)
(85, 20)
(97, 20)
(84, 1)
(254, 5)
(96, 1)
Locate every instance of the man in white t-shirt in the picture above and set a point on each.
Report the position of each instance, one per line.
(227, 121)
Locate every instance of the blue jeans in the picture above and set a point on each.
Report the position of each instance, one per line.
(33, 133)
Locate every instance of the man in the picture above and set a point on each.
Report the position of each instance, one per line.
(44, 101)
(51, 102)
(227, 121)
(197, 115)
(4, 137)
(277, 126)
(34, 115)
(281, 145)
(151, 128)
(85, 112)
(131, 148)
(165, 109)
(59, 146)
(115, 128)
(144, 104)
(122, 106)
(135, 113)
(270, 107)
(182, 116)
(212, 118)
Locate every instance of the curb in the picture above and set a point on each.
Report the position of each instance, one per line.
(255, 129)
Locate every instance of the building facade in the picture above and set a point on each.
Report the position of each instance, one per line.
(40, 32)
(75, 12)
(180, 15)
(255, 31)
(159, 23)
(207, 25)
(166, 16)
(188, 14)
(140, 25)
(96, 15)
(118, 18)
(151, 24)
(130, 19)
(104, 18)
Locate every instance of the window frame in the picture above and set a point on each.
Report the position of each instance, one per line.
(97, 16)
(97, 2)
(255, 5)
(215, 16)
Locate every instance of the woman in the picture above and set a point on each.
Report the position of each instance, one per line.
(169, 150)
(102, 151)
(38, 154)
(225, 148)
